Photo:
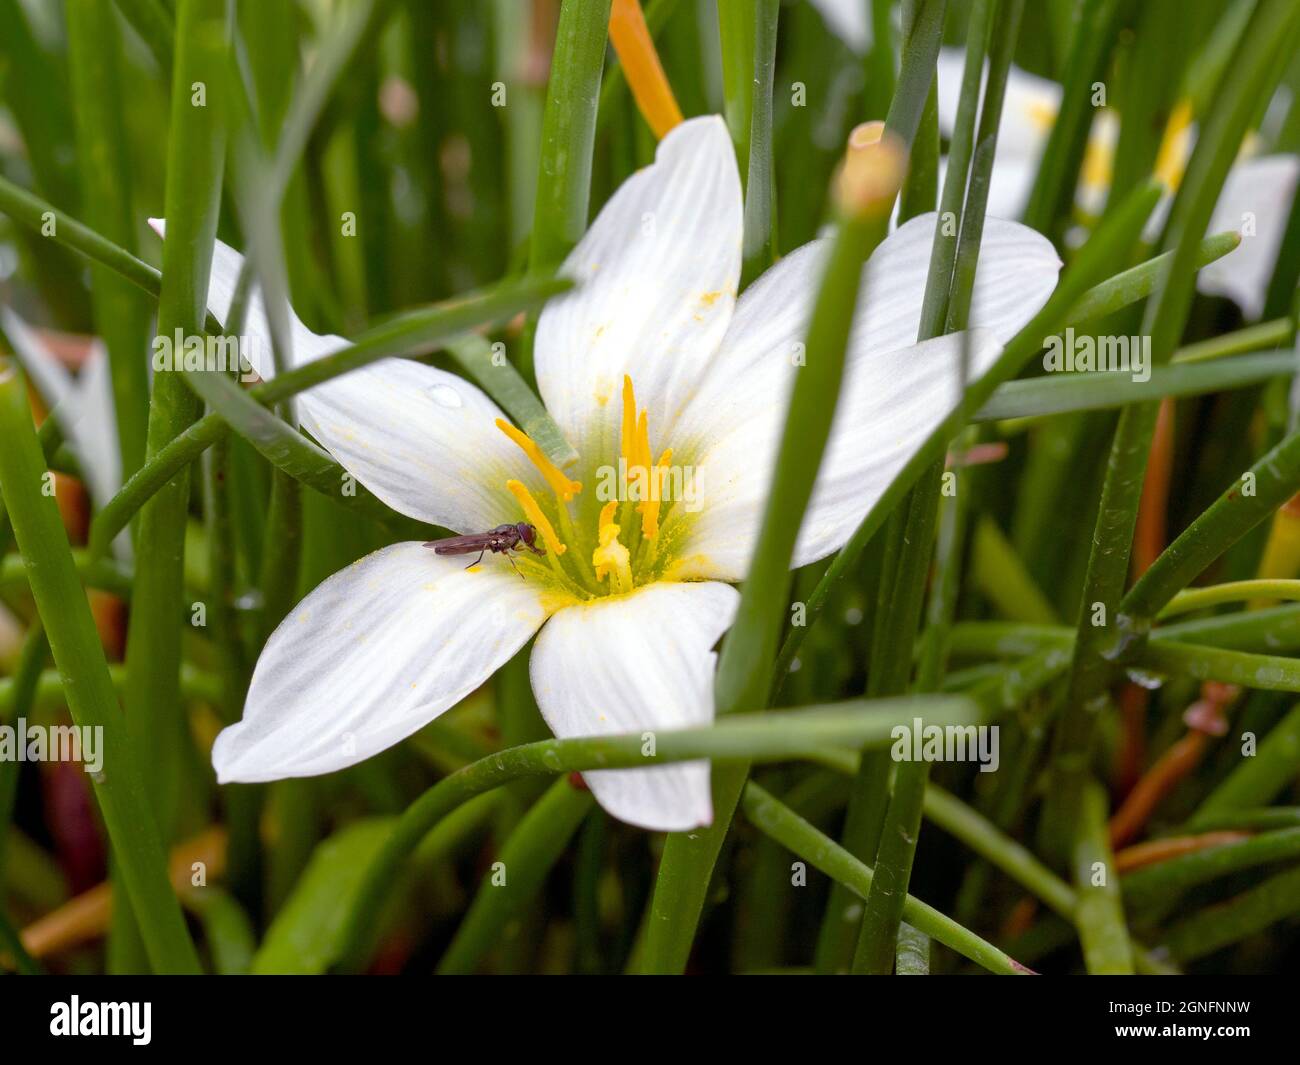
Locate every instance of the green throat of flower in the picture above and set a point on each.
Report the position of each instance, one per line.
(604, 542)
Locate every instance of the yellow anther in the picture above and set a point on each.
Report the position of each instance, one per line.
(611, 558)
(650, 508)
(564, 488)
(534, 514)
(1171, 160)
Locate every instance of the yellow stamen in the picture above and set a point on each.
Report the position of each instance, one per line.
(650, 508)
(642, 456)
(564, 488)
(534, 514)
(645, 75)
(611, 558)
(627, 437)
(1171, 161)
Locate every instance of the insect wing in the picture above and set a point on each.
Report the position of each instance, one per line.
(462, 545)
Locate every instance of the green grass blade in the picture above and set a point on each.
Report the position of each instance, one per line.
(121, 790)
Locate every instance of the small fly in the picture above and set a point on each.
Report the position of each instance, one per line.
(500, 541)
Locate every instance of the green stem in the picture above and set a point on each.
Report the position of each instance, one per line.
(744, 671)
(922, 36)
(1058, 171)
(1154, 888)
(1100, 912)
(196, 149)
(23, 686)
(1229, 922)
(406, 336)
(527, 857)
(808, 732)
(569, 131)
(74, 643)
(737, 34)
(1232, 592)
(1042, 397)
(882, 913)
(1257, 780)
(1121, 492)
(1118, 230)
(999, 849)
(777, 820)
(121, 314)
(759, 249)
(1259, 492)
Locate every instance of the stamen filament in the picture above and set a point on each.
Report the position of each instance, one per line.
(534, 514)
(564, 488)
(650, 508)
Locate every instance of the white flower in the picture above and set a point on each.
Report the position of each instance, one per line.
(1255, 198)
(652, 360)
(81, 402)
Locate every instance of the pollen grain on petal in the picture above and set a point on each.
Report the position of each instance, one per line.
(563, 487)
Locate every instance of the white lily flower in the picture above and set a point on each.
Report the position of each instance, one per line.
(1255, 198)
(82, 403)
(666, 384)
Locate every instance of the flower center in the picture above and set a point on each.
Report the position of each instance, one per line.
(618, 533)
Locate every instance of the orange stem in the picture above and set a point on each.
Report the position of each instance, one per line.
(86, 917)
(1149, 537)
(1161, 850)
(1158, 782)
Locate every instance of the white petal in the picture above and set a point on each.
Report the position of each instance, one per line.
(422, 440)
(658, 271)
(83, 404)
(96, 430)
(634, 663)
(222, 283)
(895, 392)
(1018, 270)
(888, 407)
(373, 654)
(53, 380)
(848, 20)
(1257, 193)
(1028, 110)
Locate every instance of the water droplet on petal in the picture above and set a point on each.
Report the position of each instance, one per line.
(1145, 679)
(445, 395)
